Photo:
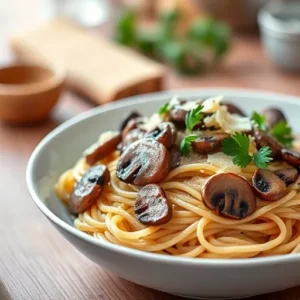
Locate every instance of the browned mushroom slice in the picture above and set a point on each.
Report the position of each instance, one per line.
(100, 151)
(264, 139)
(132, 124)
(133, 115)
(165, 133)
(132, 136)
(288, 175)
(88, 189)
(267, 185)
(291, 157)
(177, 116)
(232, 109)
(143, 162)
(151, 206)
(175, 157)
(209, 143)
(273, 116)
(230, 195)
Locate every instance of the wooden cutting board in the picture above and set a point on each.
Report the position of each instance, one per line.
(96, 67)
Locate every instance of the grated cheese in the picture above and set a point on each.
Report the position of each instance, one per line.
(224, 162)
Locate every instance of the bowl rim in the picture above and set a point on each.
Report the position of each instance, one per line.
(122, 250)
(57, 78)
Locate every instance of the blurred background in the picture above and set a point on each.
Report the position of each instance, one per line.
(173, 44)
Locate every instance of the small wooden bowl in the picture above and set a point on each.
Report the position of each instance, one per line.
(29, 92)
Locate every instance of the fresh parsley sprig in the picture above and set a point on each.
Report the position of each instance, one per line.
(186, 144)
(193, 117)
(238, 145)
(164, 109)
(259, 121)
(282, 132)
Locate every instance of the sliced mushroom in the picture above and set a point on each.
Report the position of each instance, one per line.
(133, 115)
(288, 175)
(88, 189)
(230, 195)
(273, 116)
(175, 157)
(264, 139)
(132, 124)
(143, 162)
(98, 152)
(291, 157)
(178, 113)
(177, 116)
(151, 206)
(209, 143)
(267, 185)
(132, 136)
(165, 133)
(232, 109)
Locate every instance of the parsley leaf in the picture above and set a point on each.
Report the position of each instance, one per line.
(283, 133)
(186, 144)
(263, 157)
(259, 120)
(238, 145)
(164, 109)
(193, 117)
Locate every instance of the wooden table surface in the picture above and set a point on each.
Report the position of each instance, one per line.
(36, 262)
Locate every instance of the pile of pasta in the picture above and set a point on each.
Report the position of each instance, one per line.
(194, 230)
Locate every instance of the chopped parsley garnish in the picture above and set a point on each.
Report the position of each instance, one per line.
(193, 118)
(186, 144)
(282, 132)
(259, 120)
(238, 145)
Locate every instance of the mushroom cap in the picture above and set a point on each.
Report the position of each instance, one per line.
(267, 185)
(103, 149)
(132, 136)
(175, 155)
(287, 175)
(131, 116)
(230, 195)
(143, 162)
(233, 109)
(151, 206)
(88, 189)
(165, 133)
(209, 143)
(263, 139)
(273, 115)
(291, 157)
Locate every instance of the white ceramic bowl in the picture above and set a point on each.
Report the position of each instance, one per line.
(196, 278)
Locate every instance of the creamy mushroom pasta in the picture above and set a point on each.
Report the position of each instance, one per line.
(197, 179)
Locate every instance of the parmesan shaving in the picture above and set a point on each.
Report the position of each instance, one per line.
(174, 101)
(230, 123)
(193, 158)
(211, 105)
(153, 121)
(224, 162)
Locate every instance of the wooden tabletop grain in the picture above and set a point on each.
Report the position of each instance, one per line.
(36, 262)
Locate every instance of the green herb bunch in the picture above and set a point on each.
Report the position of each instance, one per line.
(186, 51)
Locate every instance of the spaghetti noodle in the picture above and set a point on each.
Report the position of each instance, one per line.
(194, 230)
